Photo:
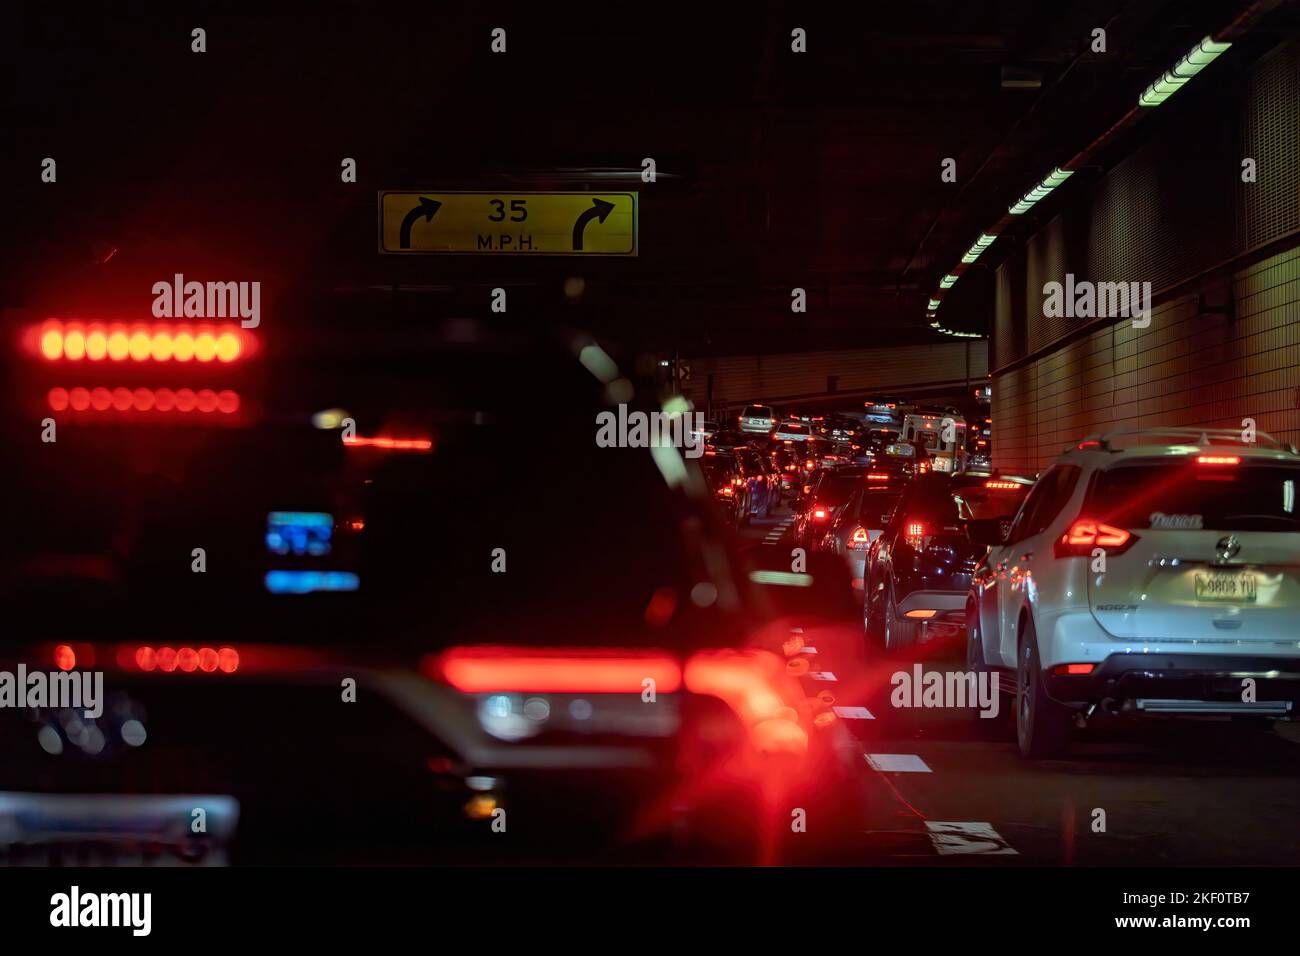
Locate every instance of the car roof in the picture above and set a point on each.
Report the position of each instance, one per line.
(1104, 449)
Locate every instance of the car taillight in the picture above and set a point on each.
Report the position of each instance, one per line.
(809, 465)
(820, 514)
(877, 476)
(390, 444)
(55, 341)
(1073, 670)
(860, 540)
(187, 659)
(727, 490)
(914, 534)
(558, 671)
(154, 400)
(1218, 459)
(1085, 535)
(1007, 485)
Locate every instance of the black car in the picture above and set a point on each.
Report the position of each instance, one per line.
(919, 568)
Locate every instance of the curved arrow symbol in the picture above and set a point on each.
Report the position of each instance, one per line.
(598, 208)
(427, 209)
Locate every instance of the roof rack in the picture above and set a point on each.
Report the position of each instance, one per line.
(1206, 437)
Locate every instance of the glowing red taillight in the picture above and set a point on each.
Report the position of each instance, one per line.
(877, 476)
(1085, 535)
(65, 658)
(73, 341)
(820, 514)
(1073, 670)
(187, 659)
(914, 534)
(1004, 485)
(1218, 459)
(488, 669)
(392, 444)
(153, 400)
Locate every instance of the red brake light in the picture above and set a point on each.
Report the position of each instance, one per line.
(860, 540)
(203, 400)
(486, 669)
(819, 514)
(915, 535)
(55, 340)
(390, 444)
(1089, 443)
(1218, 459)
(809, 465)
(187, 659)
(1085, 535)
(65, 659)
(1007, 485)
(1073, 670)
(877, 476)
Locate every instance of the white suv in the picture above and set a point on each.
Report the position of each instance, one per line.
(757, 418)
(1148, 572)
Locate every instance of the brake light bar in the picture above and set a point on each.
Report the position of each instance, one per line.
(1085, 535)
(1006, 485)
(1218, 459)
(203, 400)
(819, 514)
(390, 444)
(55, 340)
(914, 533)
(494, 669)
(187, 659)
(877, 476)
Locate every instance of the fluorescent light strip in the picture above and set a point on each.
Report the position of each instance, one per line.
(1041, 191)
(1201, 56)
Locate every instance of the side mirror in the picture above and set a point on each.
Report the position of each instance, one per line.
(990, 532)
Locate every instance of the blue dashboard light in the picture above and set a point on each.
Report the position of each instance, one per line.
(308, 582)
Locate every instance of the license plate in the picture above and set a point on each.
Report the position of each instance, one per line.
(1225, 587)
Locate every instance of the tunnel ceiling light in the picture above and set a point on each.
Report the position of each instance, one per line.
(933, 306)
(1201, 56)
(1031, 198)
(947, 282)
(982, 243)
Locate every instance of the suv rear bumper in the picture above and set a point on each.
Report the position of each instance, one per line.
(1157, 680)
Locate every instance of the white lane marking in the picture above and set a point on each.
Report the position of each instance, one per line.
(809, 650)
(822, 675)
(961, 839)
(897, 763)
(854, 713)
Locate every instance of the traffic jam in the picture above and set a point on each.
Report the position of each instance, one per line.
(843, 443)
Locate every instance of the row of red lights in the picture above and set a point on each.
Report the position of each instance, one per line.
(74, 341)
(187, 659)
(144, 400)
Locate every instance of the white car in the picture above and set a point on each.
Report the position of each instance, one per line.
(1148, 572)
(757, 418)
(793, 431)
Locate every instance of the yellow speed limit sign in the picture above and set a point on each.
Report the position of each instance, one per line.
(508, 223)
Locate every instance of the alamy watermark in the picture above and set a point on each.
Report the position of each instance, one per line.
(55, 690)
(637, 429)
(949, 689)
(212, 300)
(1098, 300)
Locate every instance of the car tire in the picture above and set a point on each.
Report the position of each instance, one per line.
(898, 633)
(1042, 724)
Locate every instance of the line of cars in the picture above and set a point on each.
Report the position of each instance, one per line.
(1150, 572)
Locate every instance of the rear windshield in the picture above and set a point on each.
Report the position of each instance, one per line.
(792, 428)
(964, 502)
(1180, 495)
(758, 411)
(875, 505)
(837, 489)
